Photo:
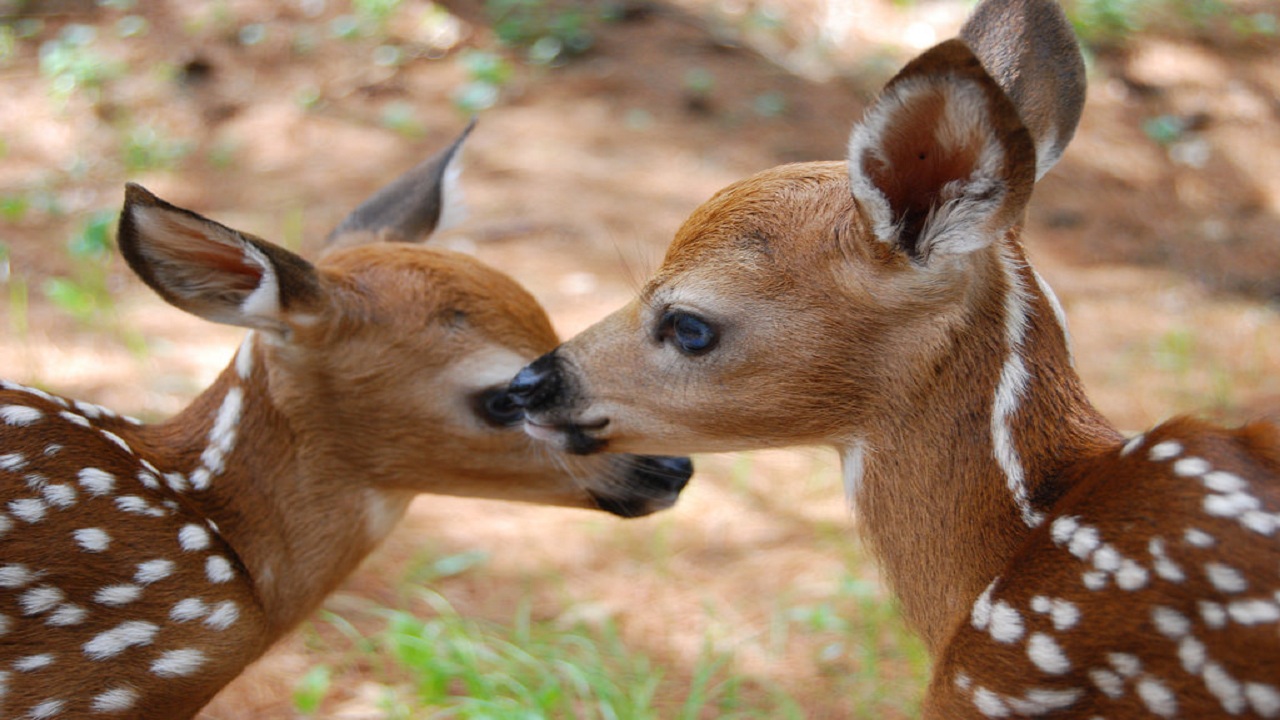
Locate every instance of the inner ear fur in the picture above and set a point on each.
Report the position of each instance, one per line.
(941, 162)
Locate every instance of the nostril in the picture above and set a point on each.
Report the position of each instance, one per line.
(535, 384)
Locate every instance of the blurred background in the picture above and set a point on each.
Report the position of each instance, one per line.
(601, 126)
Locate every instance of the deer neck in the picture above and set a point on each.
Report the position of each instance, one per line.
(949, 486)
(233, 456)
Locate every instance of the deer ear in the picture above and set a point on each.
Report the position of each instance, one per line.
(212, 271)
(941, 162)
(1030, 50)
(411, 208)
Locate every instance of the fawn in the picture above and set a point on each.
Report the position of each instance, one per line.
(884, 306)
(142, 567)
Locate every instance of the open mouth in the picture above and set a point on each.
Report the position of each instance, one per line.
(575, 438)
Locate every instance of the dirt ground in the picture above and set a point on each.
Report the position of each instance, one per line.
(1157, 230)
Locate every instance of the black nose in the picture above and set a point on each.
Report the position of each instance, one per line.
(537, 384)
(669, 474)
(656, 483)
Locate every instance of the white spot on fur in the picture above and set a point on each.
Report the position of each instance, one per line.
(117, 440)
(1224, 687)
(1125, 664)
(223, 616)
(20, 415)
(218, 570)
(1006, 622)
(97, 482)
(13, 462)
(1230, 506)
(1094, 580)
(15, 576)
(31, 663)
(1111, 684)
(981, 613)
(989, 704)
(115, 700)
(40, 599)
(66, 614)
(1131, 576)
(1253, 612)
(1132, 444)
(1047, 654)
(1106, 558)
(178, 663)
(131, 633)
(1198, 538)
(200, 478)
(1191, 467)
(60, 496)
(1224, 482)
(193, 538)
(1171, 623)
(1165, 450)
(1265, 699)
(117, 595)
(1213, 614)
(1225, 578)
(176, 481)
(188, 610)
(1165, 568)
(92, 539)
(46, 709)
(1084, 541)
(1158, 698)
(138, 506)
(1192, 654)
(29, 510)
(153, 571)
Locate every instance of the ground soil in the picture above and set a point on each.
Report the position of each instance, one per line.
(1164, 254)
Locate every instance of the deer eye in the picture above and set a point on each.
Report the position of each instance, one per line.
(494, 406)
(690, 334)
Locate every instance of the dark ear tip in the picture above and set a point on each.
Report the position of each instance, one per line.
(135, 194)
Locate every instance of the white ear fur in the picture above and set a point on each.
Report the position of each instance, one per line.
(453, 199)
(960, 211)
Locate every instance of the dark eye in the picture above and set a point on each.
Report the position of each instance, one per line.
(494, 406)
(689, 333)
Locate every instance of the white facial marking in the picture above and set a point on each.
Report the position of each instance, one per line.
(193, 538)
(1165, 450)
(1047, 654)
(178, 663)
(115, 700)
(92, 539)
(96, 482)
(188, 610)
(29, 510)
(1158, 698)
(153, 571)
(223, 616)
(40, 599)
(1225, 578)
(218, 570)
(132, 633)
(117, 595)
(1006, 623)
(15, 576)
(66, 615)
(19, 415)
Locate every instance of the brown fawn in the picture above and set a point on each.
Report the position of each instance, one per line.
(142, 567)
(884, 306)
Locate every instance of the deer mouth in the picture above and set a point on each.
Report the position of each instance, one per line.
(655, 483)
(573, 437)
